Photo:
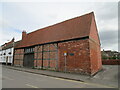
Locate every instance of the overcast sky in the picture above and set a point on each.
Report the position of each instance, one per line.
(30, 16)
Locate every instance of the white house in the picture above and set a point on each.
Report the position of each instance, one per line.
(6, 52)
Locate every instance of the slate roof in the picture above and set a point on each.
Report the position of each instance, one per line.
(10, 44)
(7, 45)
(77, 27)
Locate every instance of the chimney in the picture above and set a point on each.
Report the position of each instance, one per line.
(23, 34)
(13, 39)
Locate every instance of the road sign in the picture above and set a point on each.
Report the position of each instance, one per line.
(65, 53)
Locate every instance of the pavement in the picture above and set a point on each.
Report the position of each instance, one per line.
(108, 78)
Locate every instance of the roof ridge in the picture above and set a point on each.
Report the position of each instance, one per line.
(76, 27)
(61, 22)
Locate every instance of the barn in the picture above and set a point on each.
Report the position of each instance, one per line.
(69, 46)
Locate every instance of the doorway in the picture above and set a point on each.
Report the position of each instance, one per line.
(28, 60)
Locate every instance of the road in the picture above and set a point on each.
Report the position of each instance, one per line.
(19, 79)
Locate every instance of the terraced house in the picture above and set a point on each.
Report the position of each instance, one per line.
(71, 46)
(7, 51)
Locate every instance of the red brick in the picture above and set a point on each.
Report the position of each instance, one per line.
(86, 50)
(80, 61)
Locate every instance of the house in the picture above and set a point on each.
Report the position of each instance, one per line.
(6, 52)
(109, 54)
(71, 46)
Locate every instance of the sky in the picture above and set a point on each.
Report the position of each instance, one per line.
(30, 16)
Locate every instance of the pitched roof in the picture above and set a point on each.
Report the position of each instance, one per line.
(10, 44)
(77, 27)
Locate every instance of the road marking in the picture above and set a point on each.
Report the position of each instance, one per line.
(87, 83)
(70, 81)
(31, 86)
(82, 82)
(94, 84)
(7, 78)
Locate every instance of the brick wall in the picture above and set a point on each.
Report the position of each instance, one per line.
(94, 46)
(38, 56)
(111, 62)
(83, 56)
(95, 56)
(49, 56)
(18, 57)
(78, 58)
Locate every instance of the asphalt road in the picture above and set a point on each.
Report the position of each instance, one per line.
(19, 79)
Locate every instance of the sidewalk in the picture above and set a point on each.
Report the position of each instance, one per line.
(101, 78)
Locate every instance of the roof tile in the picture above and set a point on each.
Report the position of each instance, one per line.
(73, 28)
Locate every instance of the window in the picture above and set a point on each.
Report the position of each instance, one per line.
(9, 53)
(29, 50)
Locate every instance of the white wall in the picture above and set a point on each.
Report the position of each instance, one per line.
(3, 58)
(0, 56)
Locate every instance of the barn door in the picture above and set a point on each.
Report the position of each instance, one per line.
(29, 57)
(28, 60)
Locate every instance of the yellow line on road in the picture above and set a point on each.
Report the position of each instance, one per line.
(31, 86)
(87, 83)
(94, 84)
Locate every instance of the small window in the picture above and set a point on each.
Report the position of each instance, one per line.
(29, 50)
(25, 50)
(9, 53)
